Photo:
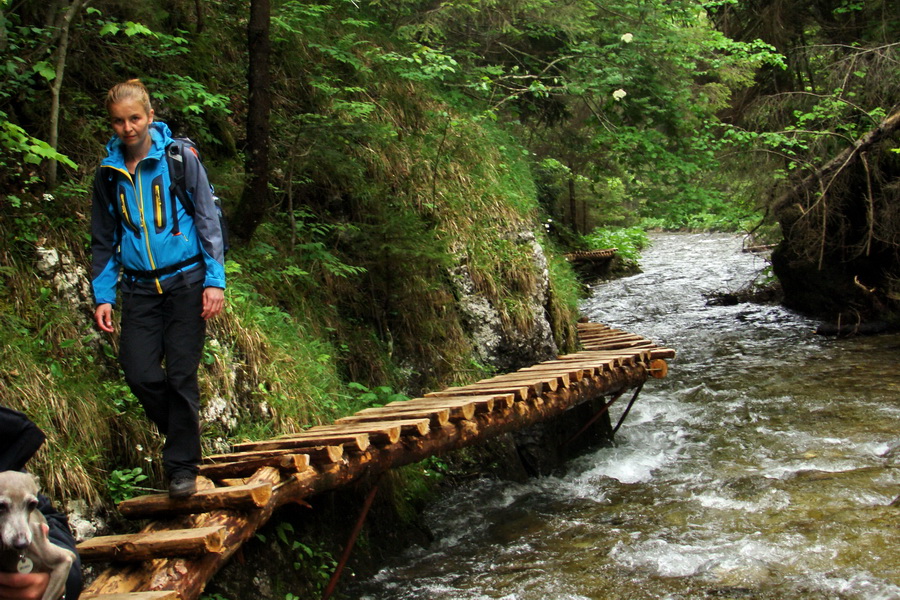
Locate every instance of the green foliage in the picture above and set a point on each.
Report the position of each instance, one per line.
(296, 366)
(17, 146)
(365, 397)
(410, 140)
(123, 483)
(628, 242)
(316, 563)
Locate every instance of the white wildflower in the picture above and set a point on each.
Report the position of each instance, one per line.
(619, 94)
(627, 37)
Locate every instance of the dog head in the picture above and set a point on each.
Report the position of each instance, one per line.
(18, 499)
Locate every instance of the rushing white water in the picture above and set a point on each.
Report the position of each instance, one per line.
(762, 467)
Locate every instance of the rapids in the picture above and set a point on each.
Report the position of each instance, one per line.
(762, 467)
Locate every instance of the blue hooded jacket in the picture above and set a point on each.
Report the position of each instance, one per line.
(132, 224)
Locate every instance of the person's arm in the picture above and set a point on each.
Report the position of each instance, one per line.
(206, 221)
(105, 239)
(61, 535)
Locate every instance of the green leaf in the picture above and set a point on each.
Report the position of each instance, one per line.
(45, 70)
(109, 28)
(132, 29)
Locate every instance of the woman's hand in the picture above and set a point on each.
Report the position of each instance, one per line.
(213, 302)
(103, 317)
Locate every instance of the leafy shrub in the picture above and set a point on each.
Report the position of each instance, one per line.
(629, 241)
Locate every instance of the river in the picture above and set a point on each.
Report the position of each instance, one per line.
(762, 467)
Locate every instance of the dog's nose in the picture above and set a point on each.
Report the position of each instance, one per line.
(21, 542)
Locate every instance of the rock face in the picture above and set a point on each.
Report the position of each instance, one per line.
(69, 280)
(840, 256)
(498, 345)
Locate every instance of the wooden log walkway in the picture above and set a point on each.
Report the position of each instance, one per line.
(591, 255)
(187, 541)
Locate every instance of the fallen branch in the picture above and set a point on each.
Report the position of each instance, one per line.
(823, 178)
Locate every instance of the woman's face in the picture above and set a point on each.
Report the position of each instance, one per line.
(131, 123)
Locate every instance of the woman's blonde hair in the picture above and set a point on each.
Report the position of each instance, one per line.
(133, 89)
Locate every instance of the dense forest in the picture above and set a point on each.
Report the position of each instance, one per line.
(403, 177)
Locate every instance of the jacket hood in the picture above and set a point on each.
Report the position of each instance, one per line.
(19, 439)
(159, 133)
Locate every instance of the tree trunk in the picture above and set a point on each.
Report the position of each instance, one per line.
(198, 11)
(56, 84)
(4, 34)
(573, 205)
(255, 199)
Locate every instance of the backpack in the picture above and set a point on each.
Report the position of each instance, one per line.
(178, 188)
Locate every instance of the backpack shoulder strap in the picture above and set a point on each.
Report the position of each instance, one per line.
(177, 186)
(175, 159)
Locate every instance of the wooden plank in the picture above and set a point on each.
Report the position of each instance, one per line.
(618, 357)
(603, 354)
(611, 334)
(375, 428)
(357, 441)
(591, 326)
(613, 344)
(146, 546)
(625, 345)
(164, 595)
(317, 454)
(461, 409)
(239, 497)
(189, 576)
(601, 363)
(483, 403)
(574, 368)
(519, 392)
(387, 434)
(454, 398)
(438, 416)
(550, 381)
(247, 466)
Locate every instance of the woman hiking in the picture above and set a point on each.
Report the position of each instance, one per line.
(168, 265)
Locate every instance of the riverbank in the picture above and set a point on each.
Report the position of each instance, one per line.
(763, 466)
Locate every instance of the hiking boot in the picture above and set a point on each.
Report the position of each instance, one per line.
(182, 486)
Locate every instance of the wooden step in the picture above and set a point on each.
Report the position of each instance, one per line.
(351, 441)
(158, 595)
(549, 381)
(145, 546)
(378, 431)
(239, 497)
(662, 353)
(483, 402)
(407, 426)
(462, 404)
(624, 345)
(438, 416)
(317, 455)
(521, 392)
(575, 372)
(247, 465)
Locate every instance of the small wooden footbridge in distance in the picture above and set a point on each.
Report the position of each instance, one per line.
(187, 541)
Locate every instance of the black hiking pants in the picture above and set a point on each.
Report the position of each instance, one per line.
(159, 350)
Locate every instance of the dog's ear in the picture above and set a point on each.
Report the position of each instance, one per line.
(36, 481)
